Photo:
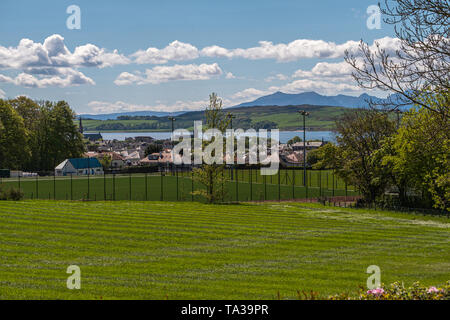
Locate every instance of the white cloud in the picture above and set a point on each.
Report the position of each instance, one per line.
(278, 76)
(319, 86)
(281, 52)
(330, 71)
(230, 75)
(52, 64)
(62, 77)
(54, 53)
(247, 94)
(162, 74)
(120, 106)
(2, 94)
(295, 50)
(175, 51)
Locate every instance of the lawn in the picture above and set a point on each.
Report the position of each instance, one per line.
(172, 187)
(183, 250)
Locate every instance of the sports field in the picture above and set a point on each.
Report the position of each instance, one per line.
(183, 250)
(242, 185)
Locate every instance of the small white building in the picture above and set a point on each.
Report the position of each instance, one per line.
(79, 166)
(133, 158)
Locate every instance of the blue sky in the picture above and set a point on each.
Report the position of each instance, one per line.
(196, 47)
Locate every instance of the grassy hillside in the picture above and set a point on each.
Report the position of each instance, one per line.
(194, 251)
(284, 117)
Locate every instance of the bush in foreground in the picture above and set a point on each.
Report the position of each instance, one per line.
(397, 291)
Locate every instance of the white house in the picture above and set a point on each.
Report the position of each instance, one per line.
(79, 166)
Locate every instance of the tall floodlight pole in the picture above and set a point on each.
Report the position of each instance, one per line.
(304, 114)
(231, 117)
(172, 119)
(171, 140)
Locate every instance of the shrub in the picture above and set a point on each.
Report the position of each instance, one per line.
(12, 193)
(397, 291)
(15, 194)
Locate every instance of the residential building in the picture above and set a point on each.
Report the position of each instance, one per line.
(79, 166)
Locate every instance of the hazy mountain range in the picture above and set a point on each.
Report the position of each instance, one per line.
(310, 98)
(275, 99)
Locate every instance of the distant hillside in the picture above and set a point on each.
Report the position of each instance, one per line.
(310, 98)
(257, 117)
(114, 116)
(275, 99)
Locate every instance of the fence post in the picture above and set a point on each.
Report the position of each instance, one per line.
(332, 176)
(310, 178)
(320, 182)
(19, 181)
(129, 187)
(293, 183)
(146, 187)
(54, 186)
(114, 187)
(89, 183)
(192, 185)
(251, 184)
(176, 174)
(306, 184)
(71, 186)
(265, 188)
(237, 185)
(279, 185)
(222, 186)
(162, 185)
(37, 186)
(104, 186)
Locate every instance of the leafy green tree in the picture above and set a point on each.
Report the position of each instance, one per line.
(30, 112)
(211, 176)
(58, 135)
(52, 135)
(360, 134)
(265, 124)
(294, 140)
(153, 148)
(14, 151)
(324, 157)
(106, 161)
(419, 154)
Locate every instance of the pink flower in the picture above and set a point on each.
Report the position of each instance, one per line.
(376, 292)
(433, 290)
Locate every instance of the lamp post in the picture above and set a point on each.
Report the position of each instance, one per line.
(231, 117)
(172, 119)
(171, 140)
(304, 114)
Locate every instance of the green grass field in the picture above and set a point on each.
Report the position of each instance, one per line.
(183, 250)
(153, 187)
